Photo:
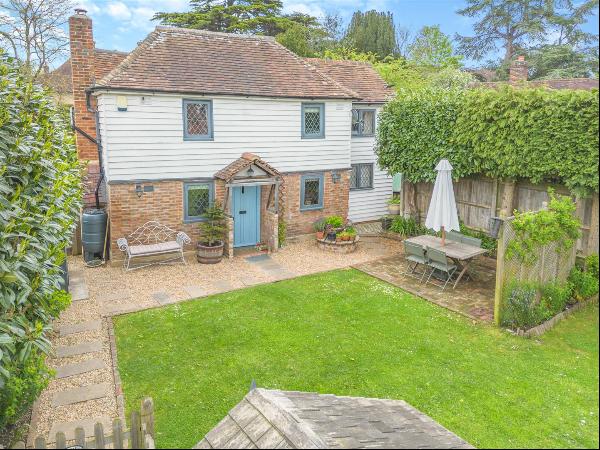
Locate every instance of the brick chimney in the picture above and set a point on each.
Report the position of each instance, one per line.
(82, 68)
(518, 70)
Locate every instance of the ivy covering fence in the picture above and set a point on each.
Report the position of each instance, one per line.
(538, 134)
(40, 197)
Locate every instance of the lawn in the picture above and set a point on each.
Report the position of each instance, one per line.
(346, 333)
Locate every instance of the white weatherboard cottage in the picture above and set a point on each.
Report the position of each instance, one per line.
(190, 117)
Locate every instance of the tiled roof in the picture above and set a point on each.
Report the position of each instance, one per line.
(359, 76)
(284, 419)
(105, 61)
(246, 160)
(563, 83)
(202, 62)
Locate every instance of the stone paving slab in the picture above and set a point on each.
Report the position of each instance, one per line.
(92, 325)
(258, 258)
(195, 291)
(80, 394)
(77, 286)
(117, 308)
(69, 428)
(163, 298)
(69, 370)
(66, 351)
(113, 296)
(222, 285)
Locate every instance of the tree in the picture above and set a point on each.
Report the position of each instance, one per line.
(513, 24)
(561, 61)
(31, 30)
(237, 16)
(433, 48)
(403, 37)
(372, 31)
(303, 41)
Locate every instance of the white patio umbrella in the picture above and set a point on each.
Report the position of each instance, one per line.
(442, 214)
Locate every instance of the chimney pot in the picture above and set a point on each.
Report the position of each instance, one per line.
(80, 11)
(518, 70)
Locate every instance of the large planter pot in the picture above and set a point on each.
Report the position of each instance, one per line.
(209, 255)
(394, 208)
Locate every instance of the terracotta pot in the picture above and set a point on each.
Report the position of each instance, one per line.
(209, 255)
(320, 235)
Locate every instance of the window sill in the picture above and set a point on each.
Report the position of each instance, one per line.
(308, 209)
(198, 220)
(363, 189)
(196, 139)
(363, 135)
(313, 137)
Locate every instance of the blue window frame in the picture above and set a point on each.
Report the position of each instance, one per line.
(197, 120)
(313, 120)
(363, 122)
(311, 191)
(197, 197)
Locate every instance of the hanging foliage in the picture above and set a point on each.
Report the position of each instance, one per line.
(541, 135)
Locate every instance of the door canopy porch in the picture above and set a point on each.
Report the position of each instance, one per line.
(251, 170)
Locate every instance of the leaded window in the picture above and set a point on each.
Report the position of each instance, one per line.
(311, 191)
(363, 122)
(197, 120)
(313, 120)
(197, 198)
(361, 176)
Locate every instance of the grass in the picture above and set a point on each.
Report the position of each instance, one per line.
(346, 333)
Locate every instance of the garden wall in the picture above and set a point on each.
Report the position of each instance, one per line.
(479, 198)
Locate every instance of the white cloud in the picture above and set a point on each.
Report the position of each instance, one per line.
(304, 8)
(119, 11)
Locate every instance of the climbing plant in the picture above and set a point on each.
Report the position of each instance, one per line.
(556, 223)
(40, 197)
(541, 135)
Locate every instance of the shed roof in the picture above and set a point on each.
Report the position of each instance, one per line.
(286, 419)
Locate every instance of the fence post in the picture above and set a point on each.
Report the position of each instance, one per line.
(99, 435)
(61, 440)
(500, 270)
(135, 435)
(117, 430)
(147, 416)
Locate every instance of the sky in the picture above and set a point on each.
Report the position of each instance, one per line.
(121, 24)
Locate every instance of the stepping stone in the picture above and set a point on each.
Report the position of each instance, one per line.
(80, 394)
(70, 370)
(66, 351)
(69, 428)
(92, 325)
(113, 296)
(223, 285)
(117, 308)
(162, 298)
(195, 291)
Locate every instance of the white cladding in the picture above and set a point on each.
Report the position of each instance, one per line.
(369, 204)
(145, 142)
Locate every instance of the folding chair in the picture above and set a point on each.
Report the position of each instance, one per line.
(415, 255)
(439, 261)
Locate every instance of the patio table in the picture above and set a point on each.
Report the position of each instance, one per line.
(462, 254)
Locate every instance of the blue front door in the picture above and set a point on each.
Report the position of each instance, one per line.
(246, 216)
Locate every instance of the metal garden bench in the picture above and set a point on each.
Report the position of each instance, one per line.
(153, 239)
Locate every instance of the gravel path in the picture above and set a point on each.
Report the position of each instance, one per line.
(111, 287)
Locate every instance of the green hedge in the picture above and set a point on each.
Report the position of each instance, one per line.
(40, 197)
(535, 134)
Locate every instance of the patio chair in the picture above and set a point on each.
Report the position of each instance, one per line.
(475, 242)
(440, 262)
(454, 236)
(415, 255)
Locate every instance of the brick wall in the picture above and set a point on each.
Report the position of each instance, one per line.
(335, 202)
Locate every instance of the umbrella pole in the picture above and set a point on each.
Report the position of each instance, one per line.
(443, 236)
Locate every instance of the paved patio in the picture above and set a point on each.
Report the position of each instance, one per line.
(84, 391)
(473, 298)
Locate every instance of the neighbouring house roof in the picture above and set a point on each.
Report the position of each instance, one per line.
(359, 76)
(246, 160)
(284, 419)
(201, 62)
(104, 62)
(564, 83)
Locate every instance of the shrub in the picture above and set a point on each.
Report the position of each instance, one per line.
(319, 225)
(585, 281)
(334, 221)
(28, 380)
(407, 226)
(281, 232)
(57, 302)
(213, 229)
(40, 198)
(535, 134)
(556, 296)
(522, 308)
(487, 242)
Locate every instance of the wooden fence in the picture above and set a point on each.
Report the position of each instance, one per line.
(140, 434)
(479, 199)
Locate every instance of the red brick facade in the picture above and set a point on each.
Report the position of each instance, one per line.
(129, 210)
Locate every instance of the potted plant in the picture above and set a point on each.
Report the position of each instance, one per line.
(209, 249)
(351, 233)
(394, 205)
(319, 228)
